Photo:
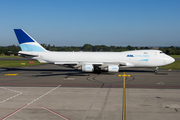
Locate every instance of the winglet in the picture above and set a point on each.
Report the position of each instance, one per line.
(26, 42)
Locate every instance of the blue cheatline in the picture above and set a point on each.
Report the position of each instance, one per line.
(114, 68)
(88, 67)
(144, 60)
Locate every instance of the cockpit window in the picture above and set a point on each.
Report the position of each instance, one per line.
(161, 52)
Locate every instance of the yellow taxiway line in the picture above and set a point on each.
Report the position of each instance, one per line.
(124, 98)
(10, 74)
(124, 95)
(13, 74)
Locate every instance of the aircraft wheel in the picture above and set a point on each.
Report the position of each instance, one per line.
(97, 70)
(155, 71)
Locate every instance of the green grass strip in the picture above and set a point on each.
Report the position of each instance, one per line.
(10, 57)
(8, 63)
(175, 66)
(175, 56)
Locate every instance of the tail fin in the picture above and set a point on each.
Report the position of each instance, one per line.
(26, 42)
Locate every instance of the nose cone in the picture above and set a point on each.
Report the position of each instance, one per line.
(172, 60)
(169, 60)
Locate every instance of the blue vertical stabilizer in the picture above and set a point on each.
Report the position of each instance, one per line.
(26, 42)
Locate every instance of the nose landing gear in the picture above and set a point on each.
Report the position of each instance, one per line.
(156, 70)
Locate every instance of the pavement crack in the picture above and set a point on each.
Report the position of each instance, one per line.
(176, 110)
(104, 105)
(87, 112)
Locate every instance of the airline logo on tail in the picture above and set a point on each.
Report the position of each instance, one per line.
(26, 42)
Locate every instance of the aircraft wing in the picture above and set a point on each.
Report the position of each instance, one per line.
(89, 66)
(104, 64)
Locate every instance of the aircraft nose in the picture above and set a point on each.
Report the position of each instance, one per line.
(173, 60)
(169, 60)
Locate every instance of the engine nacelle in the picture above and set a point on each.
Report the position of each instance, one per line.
(87, 68)
(113, 68)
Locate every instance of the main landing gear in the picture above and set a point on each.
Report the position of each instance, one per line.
(97, 70)
(156, 70)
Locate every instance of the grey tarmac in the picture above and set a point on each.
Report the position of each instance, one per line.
(55, 92)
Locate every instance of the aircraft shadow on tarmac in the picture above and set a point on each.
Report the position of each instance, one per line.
(72, 72)
(65, 70)
(27, 69)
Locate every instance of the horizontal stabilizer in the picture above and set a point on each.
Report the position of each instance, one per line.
(27, 55)
(42, 61)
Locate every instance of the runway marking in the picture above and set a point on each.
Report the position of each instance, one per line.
(69, 79)
(14, 112)
(44, 95)
(15, 74)
(160, 83)
(52, 112)
(169, 69)
(19, 93)
(30, 103)
(124, 75)
(10, 74)
(124, 96)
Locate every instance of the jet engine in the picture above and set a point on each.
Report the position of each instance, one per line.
(113, 68)
(87, 68)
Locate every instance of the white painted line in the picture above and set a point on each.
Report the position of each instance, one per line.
(14, 112)
(56, 113)
(52, 112)
(69, 79)
(29, 103)
(160, 83)
(19, 93)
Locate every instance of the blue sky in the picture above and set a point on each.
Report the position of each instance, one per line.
(96, 22)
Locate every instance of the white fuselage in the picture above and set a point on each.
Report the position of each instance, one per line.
(136, 58)
(91, 61)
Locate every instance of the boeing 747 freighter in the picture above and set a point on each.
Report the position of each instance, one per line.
(91, 61)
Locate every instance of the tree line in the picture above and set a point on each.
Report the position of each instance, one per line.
(13, 49)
